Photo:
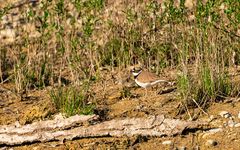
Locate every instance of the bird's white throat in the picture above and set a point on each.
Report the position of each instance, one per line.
(136, 73)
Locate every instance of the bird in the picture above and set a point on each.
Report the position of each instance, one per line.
(146, 79)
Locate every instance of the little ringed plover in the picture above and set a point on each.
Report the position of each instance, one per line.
(146, 79)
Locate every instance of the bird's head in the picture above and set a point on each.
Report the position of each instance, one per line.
(136, 71)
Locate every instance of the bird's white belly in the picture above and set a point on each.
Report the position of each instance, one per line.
(148, 84)
(144, 85)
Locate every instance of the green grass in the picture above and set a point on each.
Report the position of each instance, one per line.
(204, 87)
(71, 101)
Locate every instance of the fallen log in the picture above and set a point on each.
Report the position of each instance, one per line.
(70, 128)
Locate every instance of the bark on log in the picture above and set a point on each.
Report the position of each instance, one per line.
(60, 129)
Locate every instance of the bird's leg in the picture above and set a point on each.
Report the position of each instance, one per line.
(145, 92)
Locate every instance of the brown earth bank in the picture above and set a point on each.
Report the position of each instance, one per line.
(36, 105)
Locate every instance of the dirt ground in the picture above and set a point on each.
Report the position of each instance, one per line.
(117, 96)
(36, 105)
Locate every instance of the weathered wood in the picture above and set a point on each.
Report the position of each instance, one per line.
(67, 128)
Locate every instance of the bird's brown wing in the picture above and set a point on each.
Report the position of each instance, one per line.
(145, 76)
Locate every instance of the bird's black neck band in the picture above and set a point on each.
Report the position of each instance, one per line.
(137, 74)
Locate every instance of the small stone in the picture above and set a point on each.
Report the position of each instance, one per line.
(231, 123)
(167, 142)
(215, 130)
(211, 143)
(225, 114)
(211, 131)
(239, 114)
(237, 125)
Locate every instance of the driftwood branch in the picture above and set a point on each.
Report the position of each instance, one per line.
(73, 127)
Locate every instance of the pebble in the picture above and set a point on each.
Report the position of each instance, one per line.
(231, 123)
(211, 143)
(212, 131)
(167, 142)
(237, 125)
(239, 114)
(215, 130)
(225, 114)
